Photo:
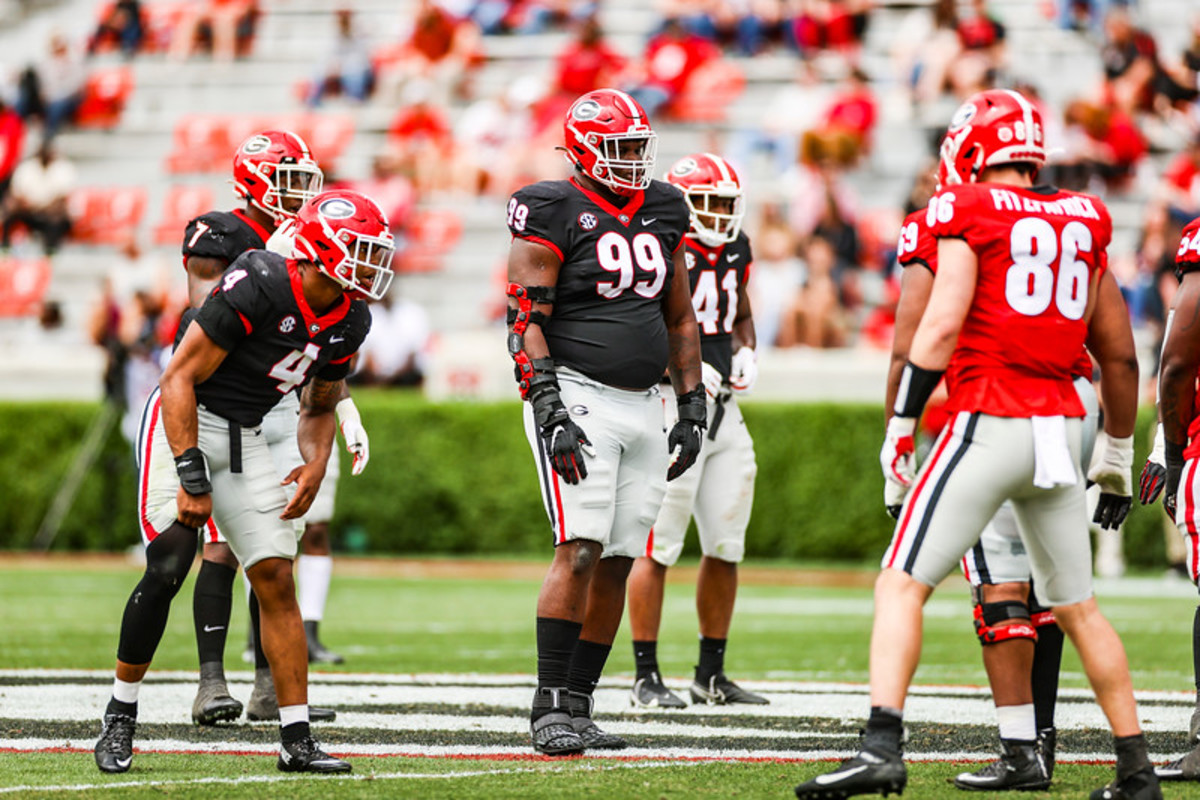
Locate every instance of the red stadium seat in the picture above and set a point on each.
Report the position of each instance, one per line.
(206, 142)
(23, 283)
(104, 97)
(106, 215)
(709, 92)
(183, 204)
(431, 234)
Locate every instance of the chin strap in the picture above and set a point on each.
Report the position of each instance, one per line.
(532, 374)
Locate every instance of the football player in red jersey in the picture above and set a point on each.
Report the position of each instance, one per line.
(1019, 637)
(1179, 411)
(275, 173)
(1018, 293)
(599, 307)
(271, 324)
(719, 490)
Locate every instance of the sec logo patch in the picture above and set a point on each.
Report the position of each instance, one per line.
(287, 324)
(588, 221)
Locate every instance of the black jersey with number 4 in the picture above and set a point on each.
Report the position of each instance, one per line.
(616, 271)
(276, 342)
(715, 274)
(223, 235)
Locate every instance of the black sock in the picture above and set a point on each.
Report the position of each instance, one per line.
(212, 601)
(1131, 755)
(1047, 658)
(294, 732)
(712, 659)
(116, 706)
(260, 657)
(645, 657)
(1196, 648)
(556, 640)
(587, 662)
(885, 729)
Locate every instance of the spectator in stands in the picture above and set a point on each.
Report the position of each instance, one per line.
(1083, 14)
(1130, 57)
(1181, 183)
(441, 48)
(669, 61)
(397, 348)
(121, 25)
(778, 272)
(12, 141)
(927, 45)
(492, 138)
(420, 142)
(795, 107)
(38, 198)
(819, 180)
(982, 37)
(104, 322)
(815, 317)
(52, 89)
(852, 111)
(587, 62)
(226, 26)
(525, 16)
(1111, 147)
(348, 69)
(830, 25)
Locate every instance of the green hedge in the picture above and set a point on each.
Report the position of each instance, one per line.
(458, 478)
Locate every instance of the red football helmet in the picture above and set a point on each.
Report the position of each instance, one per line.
(998, 126)
(706, 179)
(347, 236)
(275, 171)
(609, 139)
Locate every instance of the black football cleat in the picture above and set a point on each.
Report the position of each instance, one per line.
(1019, 768)
(306, 755)
(1141, 785)
(551, 730)
(720, 691)
(581, 706)
(1185, 768)
(1047, 739)
(213, 702)
(868, 772)
(114, 749)
(651, 692)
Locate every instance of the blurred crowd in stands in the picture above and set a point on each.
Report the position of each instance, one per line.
(824, 272)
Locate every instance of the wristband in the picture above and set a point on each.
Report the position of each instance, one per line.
(192, 469)
(916, 384)
(693, 407)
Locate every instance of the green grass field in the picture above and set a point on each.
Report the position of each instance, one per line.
(432, 700)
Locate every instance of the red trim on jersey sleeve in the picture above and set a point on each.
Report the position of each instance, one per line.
(245, 322)
(262, 232)
(311, 318)
(543, 242)
(341, 360)
(623, 215)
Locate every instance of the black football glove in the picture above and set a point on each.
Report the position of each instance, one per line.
(688, 433)
(1173, 472)
(1111, 510)
(565, 442)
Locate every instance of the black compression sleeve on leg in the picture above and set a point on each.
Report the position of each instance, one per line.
(1047, 659)
(260, 656)
(556, 640)
(712, 659)
(645, 657)
(587, 662)
(212, 601)
(168, 559)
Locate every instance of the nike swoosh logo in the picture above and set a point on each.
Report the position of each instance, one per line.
(183, 464)
(211, 628)
(124, 763)
(733, 257)
(837, 777)
(336, 339)
(650, 221)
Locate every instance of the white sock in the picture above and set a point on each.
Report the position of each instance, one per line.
(1017, 722)
(125, 691)
(313, 573)
(289, 715)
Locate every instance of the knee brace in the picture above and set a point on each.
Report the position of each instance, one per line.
(987, 615)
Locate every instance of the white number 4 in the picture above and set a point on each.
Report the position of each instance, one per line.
(232, 278)
(291, 370)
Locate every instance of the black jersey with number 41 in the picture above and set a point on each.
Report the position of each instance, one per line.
(276, 342)
(715, 274)
(616, 271)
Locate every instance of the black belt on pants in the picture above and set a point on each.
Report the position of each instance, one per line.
(718, 414)
(235, 447)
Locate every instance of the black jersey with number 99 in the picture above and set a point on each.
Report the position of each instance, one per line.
(616, 271)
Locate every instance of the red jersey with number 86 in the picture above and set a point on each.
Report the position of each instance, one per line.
(1038, 250)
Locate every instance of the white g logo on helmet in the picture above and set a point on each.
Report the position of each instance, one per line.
(337, 208)
(256, 144)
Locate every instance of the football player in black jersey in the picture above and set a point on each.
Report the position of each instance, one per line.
(598, 307)
(719, 490)
(274, 172)
(271, 324)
